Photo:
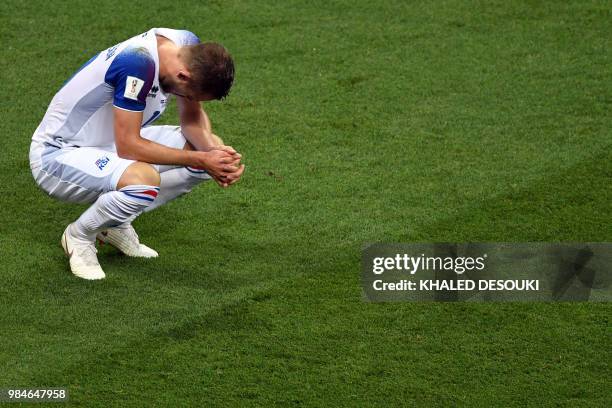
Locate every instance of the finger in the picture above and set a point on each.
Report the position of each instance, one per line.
(228, 149)
(240, 170)
(232, 151)
(223, 147)
(228, 160)
(235, 164)
(235, 176)
(229, 169)
(222, 183)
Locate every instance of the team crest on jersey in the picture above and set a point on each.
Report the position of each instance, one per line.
(102, 162)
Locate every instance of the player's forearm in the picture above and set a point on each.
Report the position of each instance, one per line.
(200, 139)
(198, 131)
(144, 150)
(219, 163)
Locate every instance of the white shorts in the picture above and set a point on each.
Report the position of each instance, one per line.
(81, 174)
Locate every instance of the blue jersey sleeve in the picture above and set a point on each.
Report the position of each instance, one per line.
(131, 74)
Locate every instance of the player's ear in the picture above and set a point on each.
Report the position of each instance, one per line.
(184, 76)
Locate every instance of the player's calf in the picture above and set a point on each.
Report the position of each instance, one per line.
(137, 189)
(177, 182)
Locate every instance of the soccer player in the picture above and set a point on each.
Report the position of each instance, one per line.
(96, 144)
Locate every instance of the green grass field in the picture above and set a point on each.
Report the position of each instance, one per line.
(359, 122)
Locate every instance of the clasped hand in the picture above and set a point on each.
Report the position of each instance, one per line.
(223, 165)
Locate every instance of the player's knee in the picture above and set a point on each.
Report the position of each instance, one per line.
(139, 173)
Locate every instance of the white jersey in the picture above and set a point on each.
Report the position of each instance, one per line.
(126, 76)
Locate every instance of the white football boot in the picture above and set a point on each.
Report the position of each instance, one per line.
(82, 255)
(125, 239)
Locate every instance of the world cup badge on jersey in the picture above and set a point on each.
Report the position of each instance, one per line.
(133, 86)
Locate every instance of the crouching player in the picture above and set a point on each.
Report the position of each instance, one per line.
(96, 144)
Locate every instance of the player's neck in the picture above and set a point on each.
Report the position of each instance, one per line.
(167, 53)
